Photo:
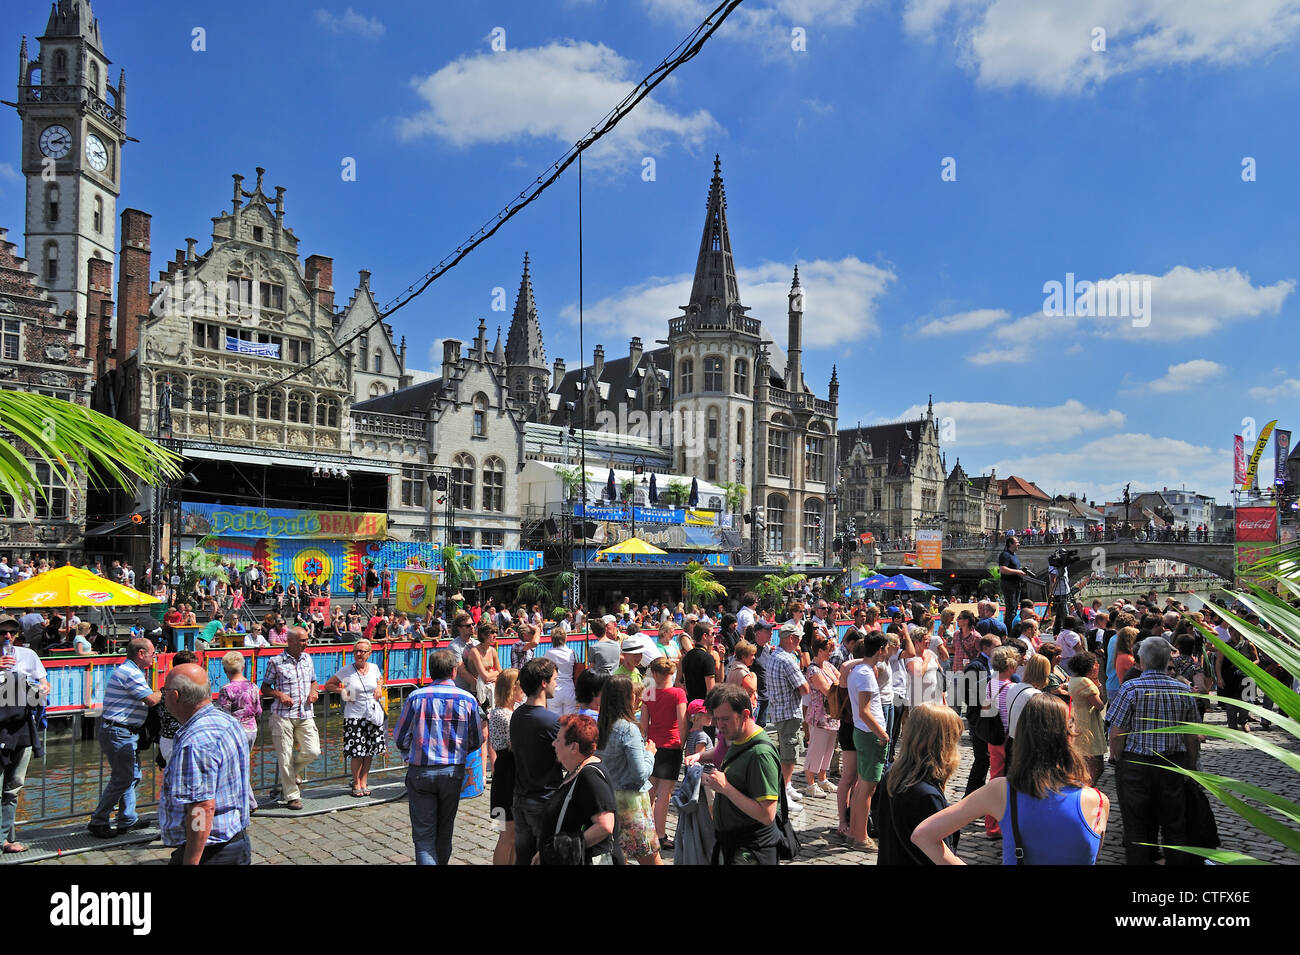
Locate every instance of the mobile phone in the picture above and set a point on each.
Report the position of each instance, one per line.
(708, 768)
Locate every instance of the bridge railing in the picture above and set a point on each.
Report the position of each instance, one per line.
(996, 543)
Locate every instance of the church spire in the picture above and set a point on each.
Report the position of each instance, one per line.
(524, 348)
(714, 291)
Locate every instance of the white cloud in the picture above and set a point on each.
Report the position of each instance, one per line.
(964, 321)
(1187, 375)
(1290, 388)
(556, 93)
(840, 302)
(1000, 356)
(1149, 461)
(766, 25)
(1049, 46)
(349, 21)
(8, 173)
(977, 423)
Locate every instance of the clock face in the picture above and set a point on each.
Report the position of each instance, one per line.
(56, 141)
(96, 153)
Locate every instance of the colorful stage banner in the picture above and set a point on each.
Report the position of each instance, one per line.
(647, 515)
(594, 556)
(1281, 451)
(1247, 554)
(1253, 466)
(200, 520)
(416, 590)
(1238, 460)
(929, 548)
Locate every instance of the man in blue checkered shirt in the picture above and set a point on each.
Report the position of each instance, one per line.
(1151, 797)
(127, 699)
(207, 793)
(786, 687)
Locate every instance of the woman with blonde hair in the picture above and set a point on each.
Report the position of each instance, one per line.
(365, 713)
(240, 698)
(742, 674)
(508, 695)
(1044, 800)
(663, 719)
(912, 789)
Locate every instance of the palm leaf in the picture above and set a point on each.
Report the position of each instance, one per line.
(71, 438)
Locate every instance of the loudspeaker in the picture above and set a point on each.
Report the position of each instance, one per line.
(437, 482)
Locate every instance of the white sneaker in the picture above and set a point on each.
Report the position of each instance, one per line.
(792, 794)
(827, 787)
(814, 792)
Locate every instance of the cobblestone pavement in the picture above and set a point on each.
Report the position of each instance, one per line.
(381, 835)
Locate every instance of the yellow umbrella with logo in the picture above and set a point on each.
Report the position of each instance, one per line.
(72, 587)
(633, 546)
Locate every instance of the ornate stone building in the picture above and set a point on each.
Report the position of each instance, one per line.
(972, 506)
(73, 131)
(892, 476)
(39, 354)
(726, 398)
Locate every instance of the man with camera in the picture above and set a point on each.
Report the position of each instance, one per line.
(1058, 585)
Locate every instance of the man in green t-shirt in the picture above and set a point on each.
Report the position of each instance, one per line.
(748, 782)
(211, 630)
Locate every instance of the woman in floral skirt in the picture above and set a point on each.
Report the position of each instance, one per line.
(627, 761)
(365, 713)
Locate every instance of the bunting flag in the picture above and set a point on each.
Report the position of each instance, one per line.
(1252, 468)
(1238, 461)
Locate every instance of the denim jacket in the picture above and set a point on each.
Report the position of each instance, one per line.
(625, 760)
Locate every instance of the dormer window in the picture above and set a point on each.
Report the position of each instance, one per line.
(257, 233)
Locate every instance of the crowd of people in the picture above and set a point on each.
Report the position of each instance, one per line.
(714, 715)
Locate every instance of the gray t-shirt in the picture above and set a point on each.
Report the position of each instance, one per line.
(603, 655)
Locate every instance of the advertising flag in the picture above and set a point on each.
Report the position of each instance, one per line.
(1253, 467)
(1238, 460)
(1256, 524)
(416, 590)
(929, 548)
(1281, 451)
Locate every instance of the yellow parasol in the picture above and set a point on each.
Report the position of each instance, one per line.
(633, 545)
(72, 587)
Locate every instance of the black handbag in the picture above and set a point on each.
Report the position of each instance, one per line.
(788, 845)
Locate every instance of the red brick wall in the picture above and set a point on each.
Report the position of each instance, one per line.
(320, 273)
(132, 279)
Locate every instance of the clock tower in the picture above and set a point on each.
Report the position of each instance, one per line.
(74, 127)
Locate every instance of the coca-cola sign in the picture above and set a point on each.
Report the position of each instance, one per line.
(1256, 524)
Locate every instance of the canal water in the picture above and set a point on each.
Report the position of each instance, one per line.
(67, 781)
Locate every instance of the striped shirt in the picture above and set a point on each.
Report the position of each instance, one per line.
(1147, 702)
(210, 761)
(440, 725)
(124, 696)
(295, 677)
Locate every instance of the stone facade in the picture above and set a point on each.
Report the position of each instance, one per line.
(474, 437)
(972, 505)
(892, 476)
(39, 353)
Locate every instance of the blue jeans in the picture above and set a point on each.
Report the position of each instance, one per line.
(433, 796)
(15, 777)
(118, 744)
(893, 712)
(238, 851)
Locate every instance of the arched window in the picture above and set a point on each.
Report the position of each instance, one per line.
(97, 214)
(269, 406)
(299, 407)
(327, 413)
(51, 262)
(740, 377)
(775, 522)
(60, 61)
(812, 526)
(494, 485)
(481, 414)
(52, 202)
(378, 388)
(205, 396)
(686, 379)
(712, 372)
(238, 400)
(462, 482)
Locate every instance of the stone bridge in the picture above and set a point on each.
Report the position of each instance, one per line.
(1217, 558)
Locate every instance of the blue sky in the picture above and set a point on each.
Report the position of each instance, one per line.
(1123, 164)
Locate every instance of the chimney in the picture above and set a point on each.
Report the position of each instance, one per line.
(450, 359)
(99, 313)
(363, 278)
(133, 300)
(320, 275)
(794, 363)
(190, 254)
(634, 353)
(558, 373)
(598, 362)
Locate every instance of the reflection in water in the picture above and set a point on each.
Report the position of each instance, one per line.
(67, 782)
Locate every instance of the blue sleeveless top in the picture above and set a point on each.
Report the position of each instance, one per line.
(1054, 829)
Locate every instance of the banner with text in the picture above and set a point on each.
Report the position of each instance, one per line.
(260, 349)
(1256, 524)
(1252, 466)
(200, 520)
(1238, 460)
(1281, 451)
(929, 548)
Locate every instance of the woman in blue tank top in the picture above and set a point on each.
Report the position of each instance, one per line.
(1061, 819)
